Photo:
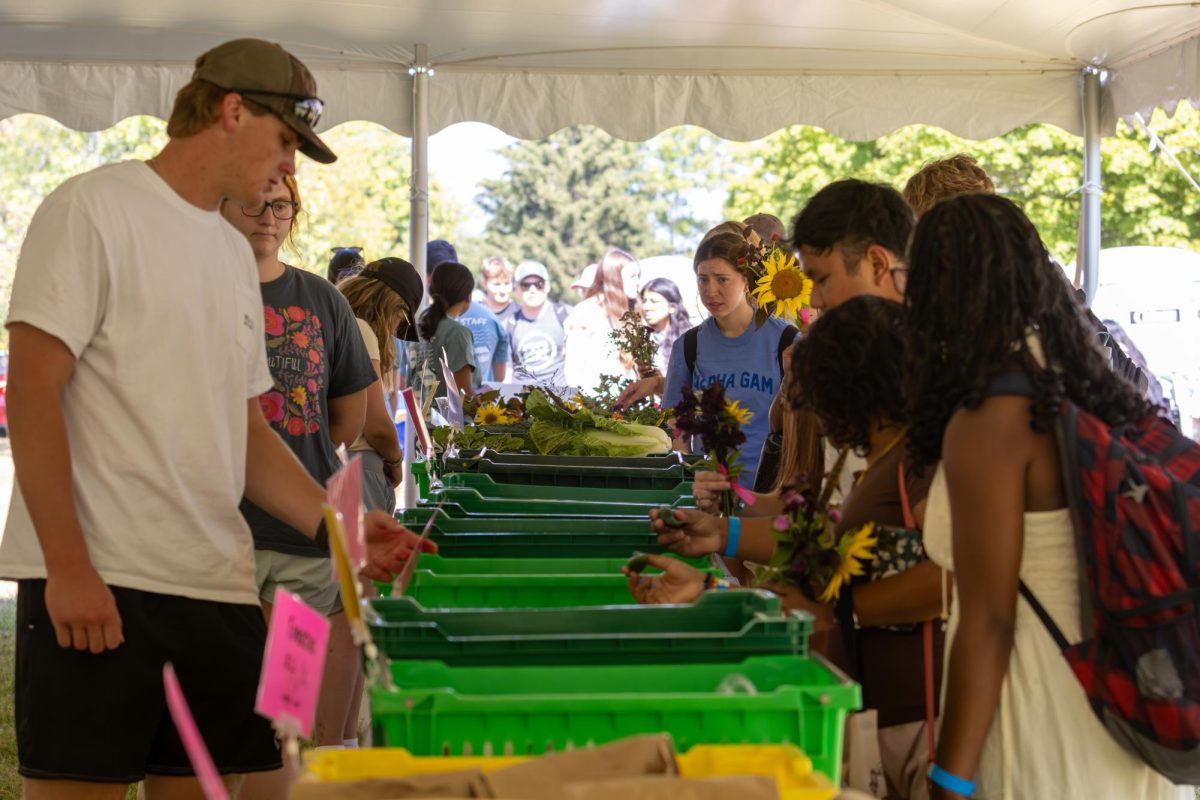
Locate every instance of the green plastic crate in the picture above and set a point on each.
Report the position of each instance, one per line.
(517, 523)
(467, 501)
(569, 473)
(719, 627)
(488, 487)
(663, 461)
(503, 710)
(440, 582)
(518, 591)
(535, 537)
(442, 565)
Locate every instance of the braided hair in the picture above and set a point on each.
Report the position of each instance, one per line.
(450, 283)
(981, 281)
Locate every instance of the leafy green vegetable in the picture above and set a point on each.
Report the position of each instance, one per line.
(474, 438)
(559, 430)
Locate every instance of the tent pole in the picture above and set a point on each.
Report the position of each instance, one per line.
(1089, 222)
(418, 198)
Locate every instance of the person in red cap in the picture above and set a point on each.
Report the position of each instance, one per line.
(136, 361)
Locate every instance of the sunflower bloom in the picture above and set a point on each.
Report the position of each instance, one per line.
(492, 414)
(854, 550)
(783, 287)
(740, 414)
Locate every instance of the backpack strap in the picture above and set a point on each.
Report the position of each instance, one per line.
(561, 312)
(1012, 382)
(1021, 383)
(910, 522)
(786, 337)
(1051, 626)
(689, 352)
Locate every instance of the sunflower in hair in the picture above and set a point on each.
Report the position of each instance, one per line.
(782, 288)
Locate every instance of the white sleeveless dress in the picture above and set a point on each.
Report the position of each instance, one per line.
(1045, 742)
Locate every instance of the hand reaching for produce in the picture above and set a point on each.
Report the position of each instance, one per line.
(678, 583)
(687, 532)
(640, 390)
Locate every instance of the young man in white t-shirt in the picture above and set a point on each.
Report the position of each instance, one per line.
(136, 360)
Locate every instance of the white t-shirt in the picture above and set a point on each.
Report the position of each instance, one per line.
(159, 302)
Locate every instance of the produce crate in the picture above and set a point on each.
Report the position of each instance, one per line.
(442, 565)
(488, 487)
(518, 591)
(664, 461)
(438, 709)
(719, 627)
(535, 537)
(566, 471)
(787, 764)
(467, 501)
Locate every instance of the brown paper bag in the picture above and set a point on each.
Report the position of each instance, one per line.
(461, 784)
(544, 778)
(661, 787)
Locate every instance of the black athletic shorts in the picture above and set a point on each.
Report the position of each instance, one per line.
(104, 718)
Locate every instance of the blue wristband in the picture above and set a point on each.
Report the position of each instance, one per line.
(735, 533)
(951, 782)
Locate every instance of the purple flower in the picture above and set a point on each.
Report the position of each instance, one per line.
(782, 523)
(835, 515)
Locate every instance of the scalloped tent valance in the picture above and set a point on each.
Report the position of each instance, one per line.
(858, 68)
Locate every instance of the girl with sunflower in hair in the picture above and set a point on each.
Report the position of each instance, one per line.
(849, 372)
(730, 346)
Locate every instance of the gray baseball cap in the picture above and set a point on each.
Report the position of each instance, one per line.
(272, 77)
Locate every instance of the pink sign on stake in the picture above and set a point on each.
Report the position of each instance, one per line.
(292, 665)
(193, 743)
(417, 419)
(344, 490)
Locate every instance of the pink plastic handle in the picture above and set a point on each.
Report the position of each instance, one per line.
(193, 743)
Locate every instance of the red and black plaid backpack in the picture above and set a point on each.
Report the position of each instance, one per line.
(1135, 497)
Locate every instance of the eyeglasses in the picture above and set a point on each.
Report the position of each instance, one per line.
(899, 278)
(307, 109)
(539, 285)
(282, 209)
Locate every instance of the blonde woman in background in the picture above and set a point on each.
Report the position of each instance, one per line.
(382, 297)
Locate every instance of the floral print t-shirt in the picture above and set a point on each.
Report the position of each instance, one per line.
(315, 353)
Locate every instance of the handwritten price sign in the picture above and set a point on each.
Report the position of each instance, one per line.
(292, 665)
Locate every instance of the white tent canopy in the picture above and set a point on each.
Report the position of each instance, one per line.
(740, 68)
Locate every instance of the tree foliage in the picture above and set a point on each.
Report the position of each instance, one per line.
(566, 199)
(362, 199)
(1146, 199)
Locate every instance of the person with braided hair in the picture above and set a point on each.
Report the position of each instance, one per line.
(986, 298)
(450, 287)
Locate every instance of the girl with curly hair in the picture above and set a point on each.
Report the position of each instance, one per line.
(986, 298)
(849, 373)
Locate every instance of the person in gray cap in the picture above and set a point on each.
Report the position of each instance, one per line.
(137, 356)
(535, 331)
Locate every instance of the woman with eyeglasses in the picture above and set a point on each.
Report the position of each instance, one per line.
(321, 372)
